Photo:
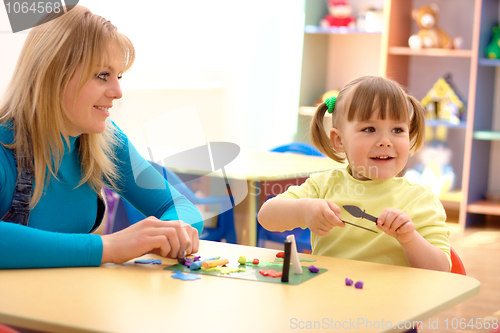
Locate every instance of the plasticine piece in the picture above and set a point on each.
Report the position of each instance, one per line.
(196, 258)
(214, 263)
(148, 261)
(359, 285)
(313, 269)
(270, 273)
(188, 262)
(197, 264)
(143, 261)
(242, 260)
(348, 282)
(286, 262)
(280, 255)
(297, 269)
(185, 277)
(255, 261)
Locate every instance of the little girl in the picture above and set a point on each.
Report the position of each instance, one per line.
(375, 126)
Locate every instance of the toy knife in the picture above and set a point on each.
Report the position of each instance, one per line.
(357, 212)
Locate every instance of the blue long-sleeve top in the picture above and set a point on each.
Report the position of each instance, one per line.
(58, 229)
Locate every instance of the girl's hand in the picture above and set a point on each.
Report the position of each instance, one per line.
(151, 235)
(322, 215)
(397, 224)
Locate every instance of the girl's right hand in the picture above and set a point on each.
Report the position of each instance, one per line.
(322, 215)
(151, 235)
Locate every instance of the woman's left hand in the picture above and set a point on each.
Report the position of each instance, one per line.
(397, 224)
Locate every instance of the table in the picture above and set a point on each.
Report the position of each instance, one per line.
(144, 298)
(251, 167)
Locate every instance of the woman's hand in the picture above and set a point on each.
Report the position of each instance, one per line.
(322, 215)
(166, 238)
(397, 224)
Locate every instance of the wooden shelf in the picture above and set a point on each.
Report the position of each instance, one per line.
(484, 207)
(489, 62)
(435, 123)
(313, 29)
(401, 50)
(486, 135)
(310, 110)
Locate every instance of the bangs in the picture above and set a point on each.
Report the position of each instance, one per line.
(378, 94)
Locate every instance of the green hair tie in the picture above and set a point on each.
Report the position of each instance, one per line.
(330, 103)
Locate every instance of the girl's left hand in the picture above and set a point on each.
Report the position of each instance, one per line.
(397, 224)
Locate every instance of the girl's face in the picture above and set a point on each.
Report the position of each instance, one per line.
(376, 149)
(88, 113)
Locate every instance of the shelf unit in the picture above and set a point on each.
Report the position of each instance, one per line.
(331, 58)
(479, 76)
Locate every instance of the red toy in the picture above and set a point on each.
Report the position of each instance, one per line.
(340, 15)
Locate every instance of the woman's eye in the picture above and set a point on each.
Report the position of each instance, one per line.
(102, 76)
(368, 129)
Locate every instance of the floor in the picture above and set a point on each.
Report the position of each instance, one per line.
(479, 249)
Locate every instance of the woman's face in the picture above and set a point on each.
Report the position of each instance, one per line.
(89, 111)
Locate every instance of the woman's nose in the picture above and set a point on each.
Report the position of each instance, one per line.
(114, 91)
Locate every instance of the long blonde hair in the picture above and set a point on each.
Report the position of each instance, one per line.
(34, 101)
(358, 100)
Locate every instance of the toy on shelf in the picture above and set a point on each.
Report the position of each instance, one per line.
(339, 15)
(430, 35)
(443, 102)
(434, 170)
(493, 48)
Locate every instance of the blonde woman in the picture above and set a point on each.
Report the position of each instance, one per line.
(59, 148)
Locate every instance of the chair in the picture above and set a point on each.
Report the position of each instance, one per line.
(224, 230)
(7, 329)
(302, 236)
(298, 147)
(457, 266)
(112, 199)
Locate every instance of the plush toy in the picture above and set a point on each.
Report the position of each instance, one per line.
(434, 170)
(493, 48)
(340, 15)
(429, 35)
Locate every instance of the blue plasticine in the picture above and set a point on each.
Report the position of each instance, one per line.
(185, 277)
(197, 264)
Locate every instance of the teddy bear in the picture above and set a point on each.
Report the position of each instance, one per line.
(340, 15)
(430, 35)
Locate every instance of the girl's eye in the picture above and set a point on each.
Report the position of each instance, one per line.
(398, 130)
(368, 129)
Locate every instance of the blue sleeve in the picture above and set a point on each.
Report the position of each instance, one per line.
(149, 192)
(25, 247)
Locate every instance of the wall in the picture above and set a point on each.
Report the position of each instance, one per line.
(237, 62)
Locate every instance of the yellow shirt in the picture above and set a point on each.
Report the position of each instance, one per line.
(338, 186)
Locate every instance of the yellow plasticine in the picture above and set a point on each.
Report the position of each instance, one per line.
(224, 269)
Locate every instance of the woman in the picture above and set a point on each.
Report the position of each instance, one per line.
(55, 133)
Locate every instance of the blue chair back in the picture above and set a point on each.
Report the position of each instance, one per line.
(298, 147)
(302, 236)
(224, 230)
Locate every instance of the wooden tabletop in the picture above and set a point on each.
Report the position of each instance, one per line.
(145, 298)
